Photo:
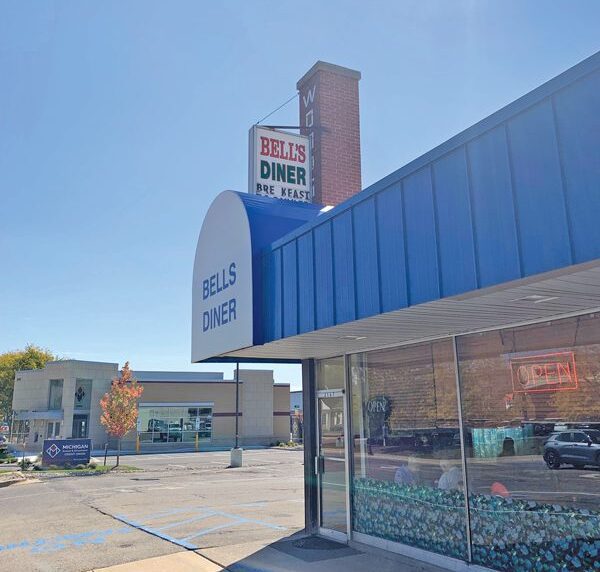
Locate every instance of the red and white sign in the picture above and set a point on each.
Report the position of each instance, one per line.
(279, 165)
(545, 372)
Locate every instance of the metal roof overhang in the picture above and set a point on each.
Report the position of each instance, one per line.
(560, 293)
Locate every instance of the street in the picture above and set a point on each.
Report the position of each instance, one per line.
(178, 502)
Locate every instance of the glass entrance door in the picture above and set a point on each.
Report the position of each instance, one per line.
(80, 426)
(331, 464)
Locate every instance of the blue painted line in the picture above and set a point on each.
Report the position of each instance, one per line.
(253, 505)
(182, 522)
(212, 529)
(64, 541)
(155, 532)
(165, 513)
(251, 520)
(234, 520)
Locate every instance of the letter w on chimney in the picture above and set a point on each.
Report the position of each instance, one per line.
(310, 96)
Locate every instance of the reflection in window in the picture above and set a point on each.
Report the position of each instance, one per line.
(531, 408)
(160, 424)
(20, 432)
(55, 394)
(408, 479)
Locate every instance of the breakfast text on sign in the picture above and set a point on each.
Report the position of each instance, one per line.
(224, 312)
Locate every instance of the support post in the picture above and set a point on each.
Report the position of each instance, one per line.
(463, 454)
(237, 405)
(311, 490)
(236, 452)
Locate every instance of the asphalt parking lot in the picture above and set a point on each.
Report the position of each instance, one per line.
(177, 502)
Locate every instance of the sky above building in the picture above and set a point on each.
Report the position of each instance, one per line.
(121, 121)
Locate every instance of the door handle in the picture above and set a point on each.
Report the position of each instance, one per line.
(319, 464)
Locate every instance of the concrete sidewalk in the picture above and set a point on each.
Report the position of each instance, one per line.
(297, 553)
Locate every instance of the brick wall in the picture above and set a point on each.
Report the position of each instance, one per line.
(329, 110)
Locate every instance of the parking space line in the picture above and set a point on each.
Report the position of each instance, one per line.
(145, 524)
(212, 529)
(155, 532)
(187, 521)
(164, 513)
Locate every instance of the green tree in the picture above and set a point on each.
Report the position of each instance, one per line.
(32, 357)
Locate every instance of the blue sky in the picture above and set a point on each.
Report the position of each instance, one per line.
(121, 121)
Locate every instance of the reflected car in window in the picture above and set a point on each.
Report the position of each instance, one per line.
(576, 447)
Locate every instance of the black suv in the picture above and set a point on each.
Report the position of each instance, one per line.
(577, 447)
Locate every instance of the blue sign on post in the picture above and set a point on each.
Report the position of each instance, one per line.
(63, 451)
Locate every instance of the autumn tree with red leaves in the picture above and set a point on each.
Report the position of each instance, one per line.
(120, 406)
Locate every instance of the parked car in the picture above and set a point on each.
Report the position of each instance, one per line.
(174, 433)
(577, 447)
(4, 428)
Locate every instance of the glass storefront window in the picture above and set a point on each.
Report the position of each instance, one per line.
(531, 411)
(55, 394)
(408, 483)
(20, 431)
(83, 394)
(163, 424)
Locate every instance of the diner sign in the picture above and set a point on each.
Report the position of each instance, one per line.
(279, 165)
(222, 310)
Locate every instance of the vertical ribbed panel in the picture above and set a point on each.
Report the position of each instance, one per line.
(367, 273)
(493, 209)
(421, 241)
(343, 268)
(455, 231)
(541, 215)
(290, 289)
(306, 283)
(275, 299)
(324, 293)
(392, 254)
(579, 146)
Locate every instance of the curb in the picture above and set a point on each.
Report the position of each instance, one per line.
(13, 481)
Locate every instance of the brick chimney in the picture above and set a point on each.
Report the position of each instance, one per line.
(329, 113)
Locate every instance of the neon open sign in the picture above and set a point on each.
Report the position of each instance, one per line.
(545, 372)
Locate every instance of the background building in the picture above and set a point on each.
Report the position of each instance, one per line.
(296, 418)
(63, 400)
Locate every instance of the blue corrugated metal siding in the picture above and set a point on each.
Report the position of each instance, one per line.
(290, 290)
(513, 196)
(579, 145)
(325, 300)
(392, 251)
(273, 295)
(421, 238)
(306, 284)
(269, 219)
(493, 208)
(366, 259)
(455, 232)
(343, 268)
(542, 219)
